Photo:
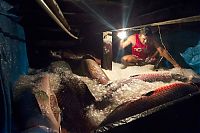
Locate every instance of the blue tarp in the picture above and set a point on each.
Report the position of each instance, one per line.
(192, 57)
(13, 62)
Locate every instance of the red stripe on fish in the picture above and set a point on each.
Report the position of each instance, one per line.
(162, 96)
(174, 86)
(152, 77)
(164, 77)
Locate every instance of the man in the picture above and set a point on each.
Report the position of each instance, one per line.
(142, 49)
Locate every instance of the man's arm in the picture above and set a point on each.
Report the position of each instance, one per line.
(163, 52)
(129, 40)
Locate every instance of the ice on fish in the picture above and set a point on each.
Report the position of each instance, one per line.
(127, 92)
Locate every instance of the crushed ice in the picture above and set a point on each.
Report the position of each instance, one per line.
(126, 92)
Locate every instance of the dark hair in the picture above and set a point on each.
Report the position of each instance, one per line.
(146, 31)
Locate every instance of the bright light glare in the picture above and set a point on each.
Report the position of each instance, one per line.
(122, 35)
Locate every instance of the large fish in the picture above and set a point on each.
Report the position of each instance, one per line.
(35, 104)
(73, 96)
(60, 67)
(69, 55)
(151, 77)
(94, 71)
(164, 77)
(160, 96)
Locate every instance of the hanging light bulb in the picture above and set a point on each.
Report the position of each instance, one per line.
(122, 34)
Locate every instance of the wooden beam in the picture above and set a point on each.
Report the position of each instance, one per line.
(53, 16)
(107, 51)
(175, 21)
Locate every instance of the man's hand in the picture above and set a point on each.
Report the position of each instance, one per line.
(150, 59)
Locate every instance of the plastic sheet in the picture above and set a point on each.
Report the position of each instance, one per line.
(192, 57)
(13, 62)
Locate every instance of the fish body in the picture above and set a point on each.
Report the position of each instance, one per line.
(153, 77)
(94, 71)
(160, 96)
(35, 104)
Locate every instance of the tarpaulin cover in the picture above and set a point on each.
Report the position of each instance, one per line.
(13, 62)
(192, 57)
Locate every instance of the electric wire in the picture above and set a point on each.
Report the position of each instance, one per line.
(161, 37)
(157, 64)
(163, 45)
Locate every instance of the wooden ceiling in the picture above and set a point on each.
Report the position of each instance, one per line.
(94, 16)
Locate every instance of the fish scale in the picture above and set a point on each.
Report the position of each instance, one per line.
(162, 96)
(153, 77)
(173, 86)
(165, 77)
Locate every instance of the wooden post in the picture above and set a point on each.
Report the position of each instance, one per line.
(106, 62)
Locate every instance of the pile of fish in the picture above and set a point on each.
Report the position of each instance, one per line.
(138, 93)
(35, 105)
(46, 100)
(155, 98)
(58, 99)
